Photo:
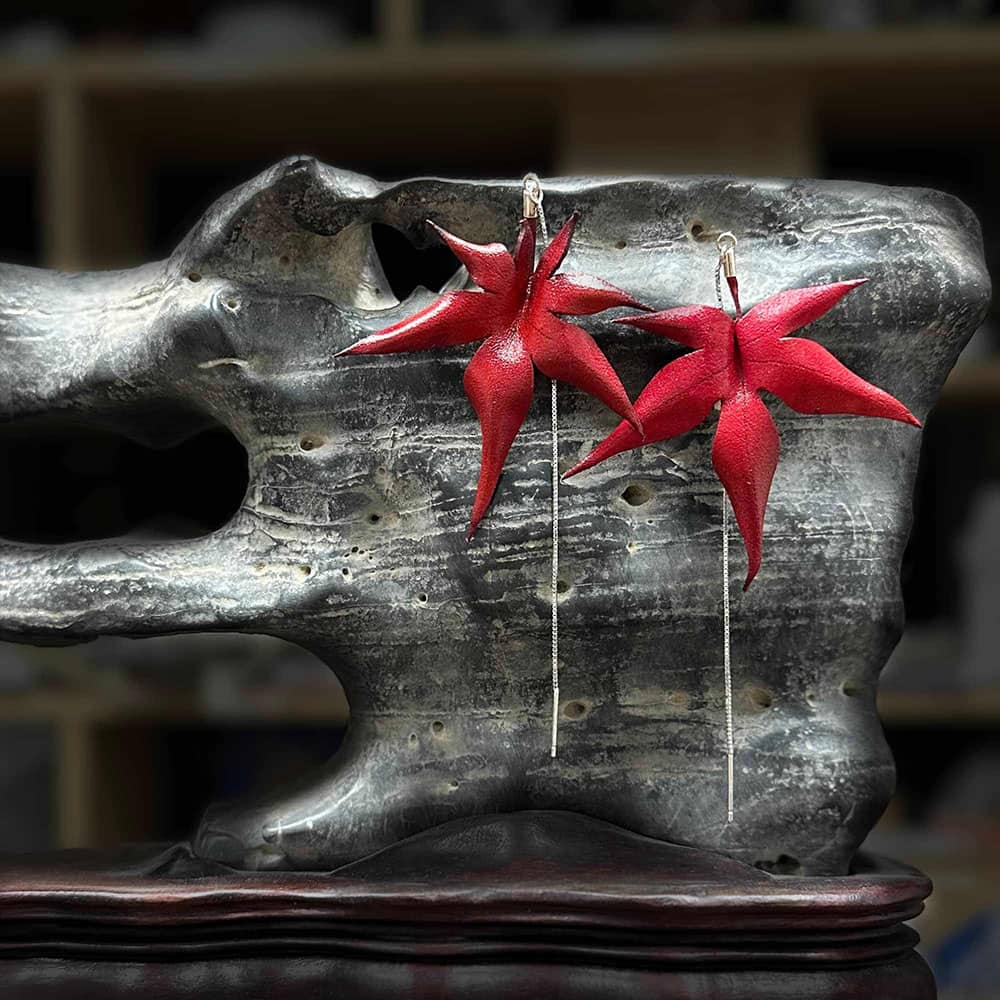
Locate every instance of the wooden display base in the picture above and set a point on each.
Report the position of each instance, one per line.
(533, 904)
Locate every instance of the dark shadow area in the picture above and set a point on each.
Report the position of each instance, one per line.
(156, 730)
(407, 267)
(19, 238)
(195, 765)
(67, 482)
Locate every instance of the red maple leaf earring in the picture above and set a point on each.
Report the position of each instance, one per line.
(732, 360)
(518, 312)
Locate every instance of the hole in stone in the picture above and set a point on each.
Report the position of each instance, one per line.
(785, 864)
(811, 697)
(574, 710)
(761, 697)
(284, 260)
(637, 494)
(406, 267)
(422, 598)
(305, 570)
(346, 571)
(354, 548)
(561, 586)
(213, 751)
(232, 303)
(194, 276)
(697, 229)
(67, 481)
(437, 727)
(374, 518)
(413, 737)
(851, 688)
(309, 442)
(620, 245)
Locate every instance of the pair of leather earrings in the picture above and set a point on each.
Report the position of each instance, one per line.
(518, 314)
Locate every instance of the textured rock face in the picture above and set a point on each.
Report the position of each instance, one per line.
(351, 539)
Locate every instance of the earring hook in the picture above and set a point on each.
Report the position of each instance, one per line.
(532, 195)
(726, 244)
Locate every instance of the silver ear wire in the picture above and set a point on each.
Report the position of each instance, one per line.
(532, 196)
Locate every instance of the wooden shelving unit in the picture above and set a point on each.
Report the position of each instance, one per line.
(941, 711)
(974, 385)
(100, 740)
(760, 101)
(101, 133)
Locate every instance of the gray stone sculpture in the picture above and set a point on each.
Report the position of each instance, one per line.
(351, 539)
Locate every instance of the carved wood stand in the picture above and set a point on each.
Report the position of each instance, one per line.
(531, 904)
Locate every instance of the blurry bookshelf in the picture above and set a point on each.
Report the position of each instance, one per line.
(119, 125)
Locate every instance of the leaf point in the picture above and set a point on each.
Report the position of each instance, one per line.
(580, 466)
(351, 349)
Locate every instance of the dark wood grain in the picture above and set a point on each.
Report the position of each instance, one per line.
(304, 978)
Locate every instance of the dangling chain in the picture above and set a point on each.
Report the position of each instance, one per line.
(532, 198)
(727, 245)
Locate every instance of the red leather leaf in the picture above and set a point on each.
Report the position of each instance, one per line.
(792, 309)
(677, 398)
(745, 455)
(552, 256)
(516, 313)
(809, 379)
(568, 354)
(489, 265)
(454, 318)
(583, 295)
(499, 381)
(733, 360)
(524, 257)
(693, 326)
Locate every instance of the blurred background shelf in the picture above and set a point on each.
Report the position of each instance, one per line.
(271, 704)
(941, 711)
(115, 771)
(103, 124)
(811, 52)
(120, 122)
(133, 736)
(974, 384)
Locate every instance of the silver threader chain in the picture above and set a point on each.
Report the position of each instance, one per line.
(532, 206)
(555, 568)
(727, 664)
(727, 246)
